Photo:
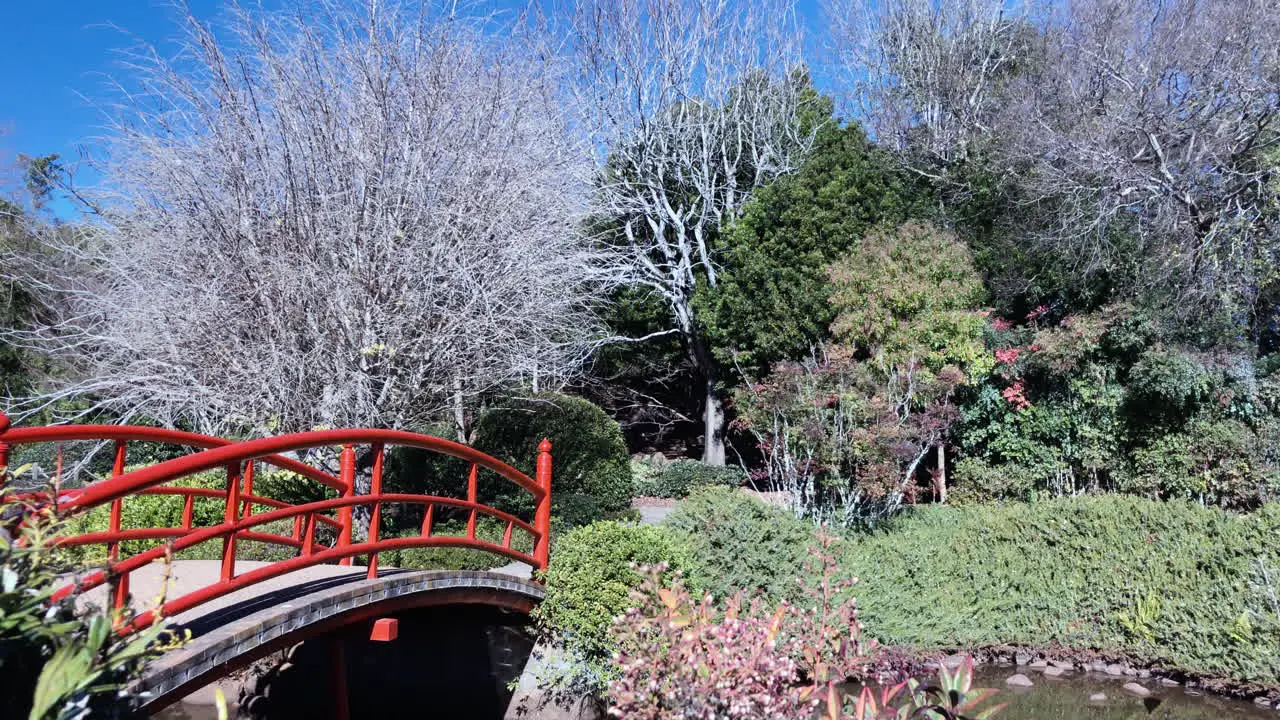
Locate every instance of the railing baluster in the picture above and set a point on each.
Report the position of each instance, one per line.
(248, 489)
(347, 476)
(57, 476)
(542, 516)
(471, 498)
(375, 489)
(428, 520)
(4, 451)
(119, 583)
(229, 516)
(309, 542)
(506, 535)
(188, 511)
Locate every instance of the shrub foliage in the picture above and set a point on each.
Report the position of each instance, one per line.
(1172, 582)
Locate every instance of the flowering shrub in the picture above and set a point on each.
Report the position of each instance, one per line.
(845, 437)
(683, 657)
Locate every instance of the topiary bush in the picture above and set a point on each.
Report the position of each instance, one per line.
(677, 479)
(1171, 582)
(590, 578)
(591, 469)
(738, 543)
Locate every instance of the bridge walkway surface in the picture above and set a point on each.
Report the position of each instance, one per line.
(231, 631)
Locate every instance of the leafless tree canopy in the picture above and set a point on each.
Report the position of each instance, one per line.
(692, 104)
(1149, 121)
(343, 215)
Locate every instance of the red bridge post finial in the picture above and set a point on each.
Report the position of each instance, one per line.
(4, 450)
(542, 516)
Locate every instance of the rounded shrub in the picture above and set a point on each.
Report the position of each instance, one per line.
(679, 478)
(738, 543)
(590, 577)
(591, 468)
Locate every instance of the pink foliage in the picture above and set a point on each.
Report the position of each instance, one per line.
(1014, 395)
(1008, 356)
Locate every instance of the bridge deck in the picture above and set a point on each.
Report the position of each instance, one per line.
(231, 631)
(185, 576)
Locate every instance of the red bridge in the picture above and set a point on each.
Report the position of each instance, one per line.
(322, 543)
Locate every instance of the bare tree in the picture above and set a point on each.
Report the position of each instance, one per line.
(344, 214)
(1148, 122)
(691, 104)
(929, 77)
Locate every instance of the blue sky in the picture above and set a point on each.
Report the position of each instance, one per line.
(54, 55)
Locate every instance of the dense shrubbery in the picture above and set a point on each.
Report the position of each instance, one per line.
(847, 432)
(591, 469)
(591, 472)
(1098, 403)
(738, 543)
(453, 558)
(590, 578)
(1172, 582)
(679, 478)
(165, 511)
(57, 663)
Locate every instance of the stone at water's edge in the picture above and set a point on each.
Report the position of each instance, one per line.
(1134, 688)
(1115, 670)
(534, 698)
(1098, 697)
(1019, 680)
(1054, 671)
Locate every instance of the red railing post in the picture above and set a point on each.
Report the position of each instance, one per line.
(248, 489)
(119, 583)
(375, 489)
(471, 498)
(347, 477)
(230, 515)
(542, 516)
(4, 451)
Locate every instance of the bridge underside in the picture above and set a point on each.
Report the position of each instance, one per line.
(235, 634)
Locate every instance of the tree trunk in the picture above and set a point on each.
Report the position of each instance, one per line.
(705, 366)
(459, 411)
(713, 424)
(941, 476)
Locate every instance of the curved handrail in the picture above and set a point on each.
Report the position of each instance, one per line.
(225, 530)
(138, 433)
(237, 459)
(220, 457)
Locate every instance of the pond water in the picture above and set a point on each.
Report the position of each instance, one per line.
(1052, 698)
(1067, 698)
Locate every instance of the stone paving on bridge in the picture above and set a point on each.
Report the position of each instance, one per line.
(146, 584)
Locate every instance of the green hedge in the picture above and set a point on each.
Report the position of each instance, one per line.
(739, 543)
(591, 469)
(165, 511)
(590, 577)
(1171, 582)
(679, 478)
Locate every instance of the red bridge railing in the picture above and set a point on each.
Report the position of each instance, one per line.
(238, 460)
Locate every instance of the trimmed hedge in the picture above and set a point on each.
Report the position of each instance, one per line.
(591, 468)
(741, 544)
(590, 472)
(1170, 582)
(679, 478)
(590, 577)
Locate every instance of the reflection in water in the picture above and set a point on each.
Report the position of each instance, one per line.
(183, 711)
(1061, 698)
(1067, 698)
